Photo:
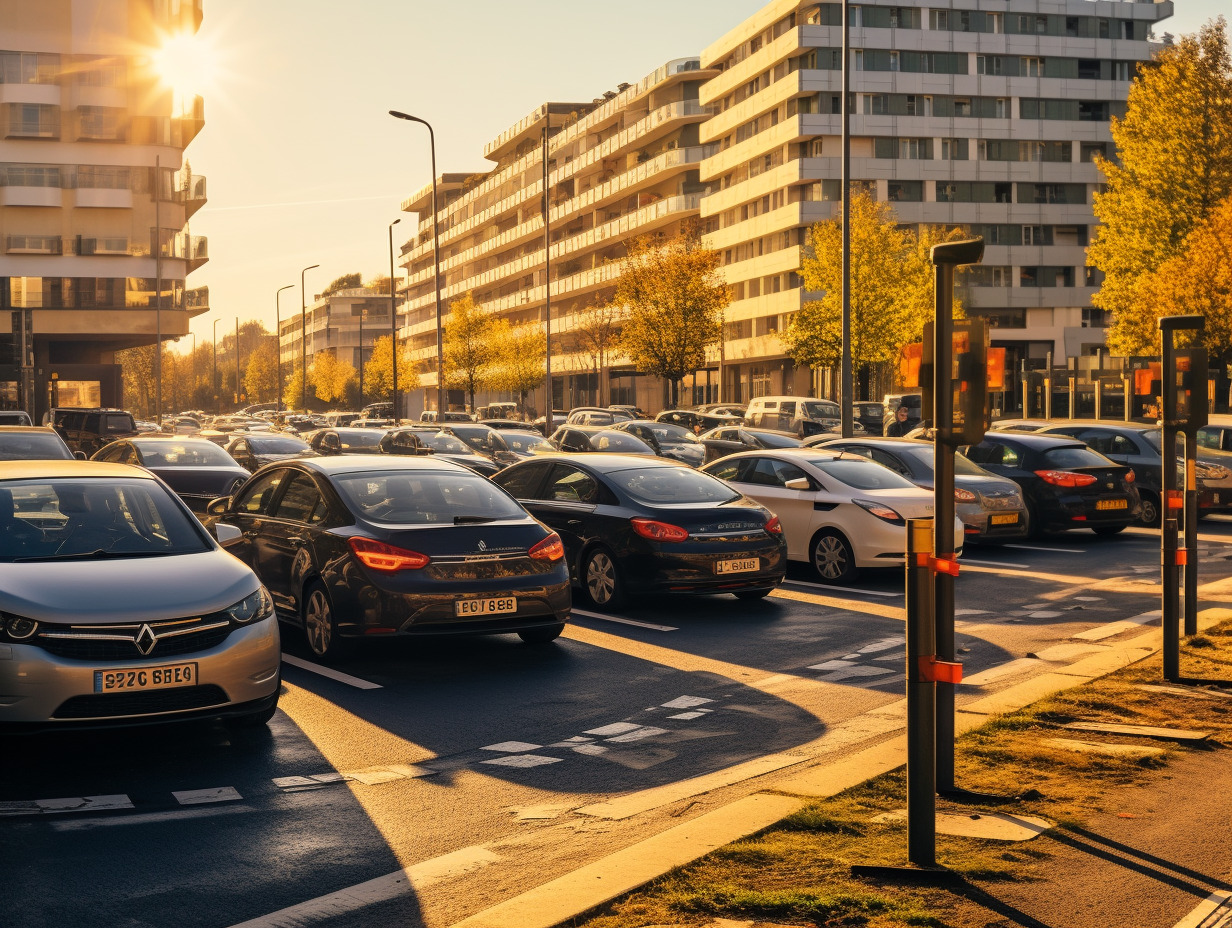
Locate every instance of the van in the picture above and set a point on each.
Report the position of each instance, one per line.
(336, 419)
(802, 415)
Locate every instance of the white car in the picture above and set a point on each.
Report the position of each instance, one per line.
(839, 511)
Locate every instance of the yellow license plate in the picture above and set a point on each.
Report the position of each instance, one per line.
(1112, 504)
(1005, 518)
(145, 678)
(743, 565)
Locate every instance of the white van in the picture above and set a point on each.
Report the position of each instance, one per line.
(803, 415)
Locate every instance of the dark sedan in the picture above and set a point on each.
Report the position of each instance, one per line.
(667, 440)
(589, 438)
(346, 441)
(365, 546)
(195, 468)
(695, 421)
(416, 440)
(527, 444)
(730, 439)
(1066, 485)
(633, 525)
(485, 440)
(257, 449)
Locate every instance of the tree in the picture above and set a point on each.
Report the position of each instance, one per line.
(1174, 165)
(332, 379)
(261, 372)
(674, 296)
(468, 347)
(595, 331)
(378, 370)
(345, 282)
(519, 363)
(892, 288)
(378, 284)
(292, 394)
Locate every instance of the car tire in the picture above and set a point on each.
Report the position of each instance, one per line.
(1108, 529)
(253, 719)
(1150, 509)
(750, 595)
(1035, 526)
(542, 635)
(832, 558)
(602, 583)
(320, 627)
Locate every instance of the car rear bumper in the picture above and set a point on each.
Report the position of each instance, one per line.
(693, 567)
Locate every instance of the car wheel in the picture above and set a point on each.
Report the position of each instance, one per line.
(541, 635)
(833, 558)
(1150, 510)
(752, 594)
(320, 629)
(601, 580)
(1035, 526)
(254, 719)
(1108, 529)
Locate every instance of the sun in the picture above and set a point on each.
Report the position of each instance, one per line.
(185, 64)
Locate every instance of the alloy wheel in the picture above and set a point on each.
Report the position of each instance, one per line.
(830, 557)
(600, 578)
(318, 623)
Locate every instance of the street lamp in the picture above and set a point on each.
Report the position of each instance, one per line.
(303, 335)
(278, 335)
(393, 320)
(436, 257)
(214, 376)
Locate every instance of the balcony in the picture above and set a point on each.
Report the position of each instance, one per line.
(197, 300)
(191, 119)
(191, 192)
(197, 251)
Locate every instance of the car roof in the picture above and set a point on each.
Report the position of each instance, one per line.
(878, 441)
(1033, 439)
(27, 430)
(26, 470)
(361, 463)
(833, 454)
(603, 461)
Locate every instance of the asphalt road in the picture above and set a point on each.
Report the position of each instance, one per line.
(488, 766)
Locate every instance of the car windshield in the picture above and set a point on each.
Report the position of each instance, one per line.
(1076, 456)
(42, 519)
(484, 440)
(526, 443)
(443, 443)
(861, 474)
(403, 497)
(962, 467)
(183, 454)
(821, 410)
(360, 439)
(670, 485)
(673, 434)
(31, 446)
(277, 445)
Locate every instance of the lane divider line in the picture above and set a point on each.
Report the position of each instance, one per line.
(844, 589)
(623, 621)
(1042, 548)
(329, 672)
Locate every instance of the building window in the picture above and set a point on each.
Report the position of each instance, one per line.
(100, 123)
(103, 177)
(1030, 67)
(30, 175)
(1093, 318)
(33, 244)
(33, 121)
(954, 149)
(906, 191)
(1001, 318)
(29, 68)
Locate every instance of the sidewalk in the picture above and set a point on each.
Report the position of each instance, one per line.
(1142, 836)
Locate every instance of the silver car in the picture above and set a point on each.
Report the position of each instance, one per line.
(117, 608)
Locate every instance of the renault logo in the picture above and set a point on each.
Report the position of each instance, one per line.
(145, 640)
(482, 546)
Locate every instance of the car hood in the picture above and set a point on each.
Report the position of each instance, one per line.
(86, 592)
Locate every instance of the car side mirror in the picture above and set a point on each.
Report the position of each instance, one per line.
(219, 506)
(799, 483)
(227, 535)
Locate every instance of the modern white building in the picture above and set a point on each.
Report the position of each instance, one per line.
(346, 323)
(93, 187)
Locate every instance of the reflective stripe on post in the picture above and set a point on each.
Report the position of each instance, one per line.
(937, 671)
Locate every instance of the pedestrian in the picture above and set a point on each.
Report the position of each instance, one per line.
(899, 427)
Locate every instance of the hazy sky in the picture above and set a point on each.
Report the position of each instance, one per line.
(304, 166)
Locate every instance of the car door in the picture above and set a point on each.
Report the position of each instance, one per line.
(249, 512)
(283, 548)
(764, 478)
(566, 502)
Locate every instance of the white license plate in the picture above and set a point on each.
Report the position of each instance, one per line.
(145, 678)
(739, 566)
(485, 606)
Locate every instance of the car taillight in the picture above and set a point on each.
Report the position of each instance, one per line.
(1131, 477)
(658, 531)
(963, 496)
(1065, 478)
(550, 549)
(379, 556)
(774, 526)
(883, 512)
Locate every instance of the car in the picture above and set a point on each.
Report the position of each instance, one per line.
(800, 415)
(87, 430)
(15, 417)
(840, 512)
(118, 609)
(729, 439)
(196, 469)
(870, 416)
(238, 423)
(632, 411)
(418, 440)
(666, 440)
(329, 441)
(254, 450)
(1021, 425)
(379, 546)
(340, 418)
(558, 418)
(484, 440)
(991, 508)
(526, 444)
(1216, 435)
(510, 425)
(378, 410)
(505, 411)
(596, 415)
(298, 424)
(1065, 484)
(451, 415)
(33, 443)
(588, 438)
(695, 420)
(730, 410)
(641, 525)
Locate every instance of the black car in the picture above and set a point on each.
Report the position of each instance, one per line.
(1066, 485)
(345, 441)
(260, 448)
(88, 430)
(634, 525)
(667, 440)
(869, 415)
(525, 443)
(485, 440)
(729, 439)
(417, 440)
(695, 421)
(368, 546)
(195, 468)
(588, 438)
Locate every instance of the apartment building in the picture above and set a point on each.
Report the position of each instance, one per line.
(93, 187)
(621, 165)
(980, 113)
(346, 323)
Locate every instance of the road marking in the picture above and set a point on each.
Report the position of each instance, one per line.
(1100, 632)
(151, 818)
(70, 804)
(845, 589)
(969, 561)
(197, 797)
(1214, 912)
(623, 621)
(512, 747)
(999, 671)
(522, 760)
(330, 672)
(1042, 548)
(404, 882)
(847, 605)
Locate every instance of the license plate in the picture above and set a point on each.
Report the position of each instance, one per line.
(739, 566)
(146, 678)
(1112, 504)
(1005, 518)
(485, 606)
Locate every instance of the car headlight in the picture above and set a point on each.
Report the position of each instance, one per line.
(17, 627)
(251, 608)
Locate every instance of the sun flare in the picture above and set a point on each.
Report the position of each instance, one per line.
(185, 65)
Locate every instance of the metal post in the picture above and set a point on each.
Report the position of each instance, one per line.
(303, 338)
(237, 363)
(278, 335)
(361, 351)
(1073, 396)
(1170, 592)
(1191, 532)
(214, 374)
(1099, 398)
(943, 512)
(846, 382)
(921, 700)
(393, 315)
(547, 284)
(158, 294)
(1048, 395)
(1129, 396)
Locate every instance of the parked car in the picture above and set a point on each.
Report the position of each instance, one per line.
(87, 430)
(666, 440)
(695, 420)
(991, 508)
(239, 423)
(1066, 485)
(800, 415)
(527, 444)
(730, 410)
(587, 438)
(870, 416)
(1216, 435)
(31, 443)
(255, 450)
(15, 417)
(117, 608)
(633, 411)
(730, 439)
(419, 441)
(368, 546)
(596, 415)
(484, 440)
(451, 415)
(647, 525)
(195, 468)
(507, 411)
(840, 512)
(345, 441)
(340, 418)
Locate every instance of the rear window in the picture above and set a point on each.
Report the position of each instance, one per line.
(667, 485)
(861, 474)
(821, 410)
(360, 439)
(1076, 456)
(525, 443)
(402, 498)
(277, 445)
(30, 446)
(770, 440)
(443, 443)
(183, 454)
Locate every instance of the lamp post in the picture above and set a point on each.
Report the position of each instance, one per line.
(237, 363)
(278, 335)
(547, 284)
(158, 294)
(214, 375)
(393, 320)
(303, 335)
(436, 258)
